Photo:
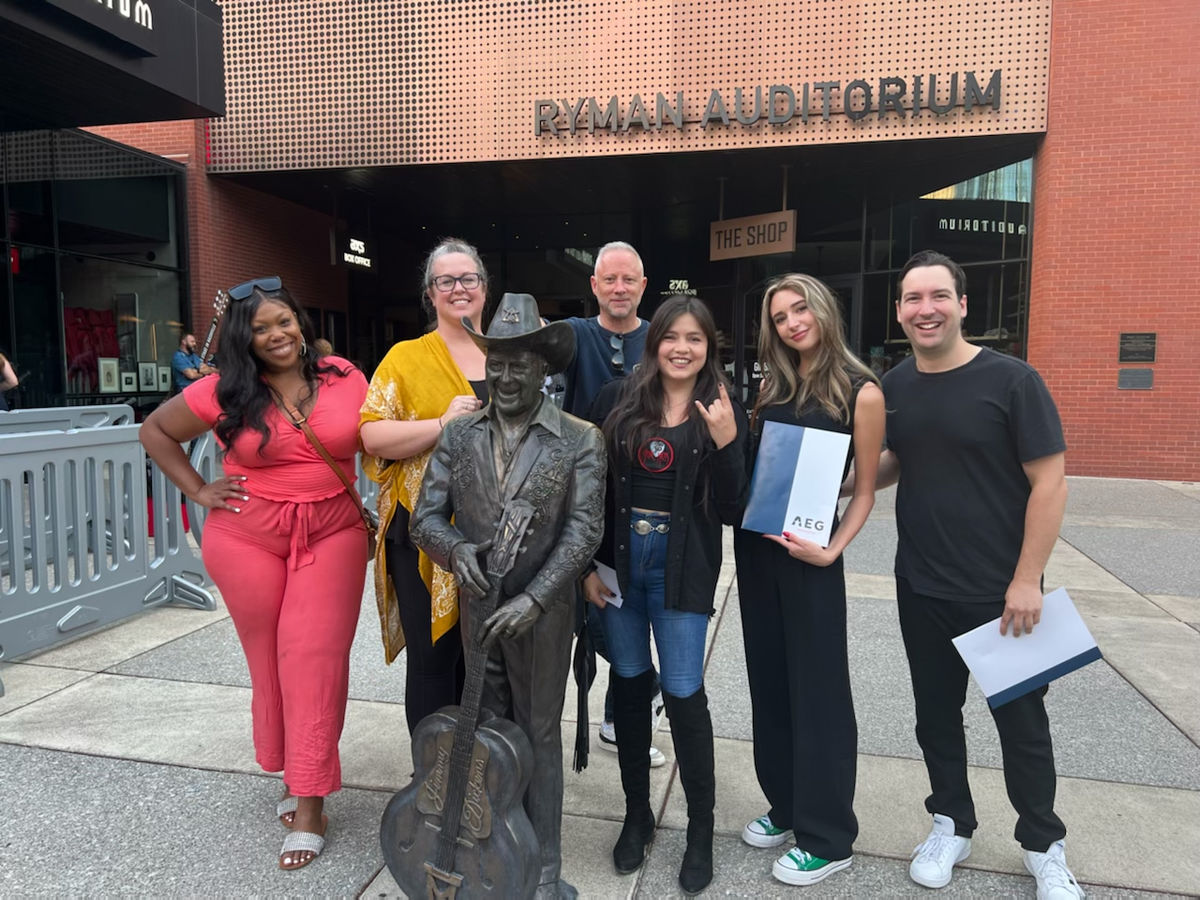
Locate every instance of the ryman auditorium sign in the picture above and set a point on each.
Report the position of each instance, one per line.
(779, 104)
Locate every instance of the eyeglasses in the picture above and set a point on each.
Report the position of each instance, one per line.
(617, 342)
(246, 288)
(445, 283)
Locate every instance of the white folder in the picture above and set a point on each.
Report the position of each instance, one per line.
(1007, 667)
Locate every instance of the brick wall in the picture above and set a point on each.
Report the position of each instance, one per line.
(235, 232)
(1116, 247)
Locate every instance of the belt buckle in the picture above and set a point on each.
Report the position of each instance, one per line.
(644, 527)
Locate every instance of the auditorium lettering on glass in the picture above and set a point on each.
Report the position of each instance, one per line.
(984, 224)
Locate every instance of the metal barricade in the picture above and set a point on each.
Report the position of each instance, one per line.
(75, 555)
(64, 418)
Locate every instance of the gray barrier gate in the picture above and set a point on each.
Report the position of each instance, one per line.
(75, 550)
(75, 553)
(64, 418)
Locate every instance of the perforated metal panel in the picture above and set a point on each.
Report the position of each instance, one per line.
(335, 83)
(69, 155)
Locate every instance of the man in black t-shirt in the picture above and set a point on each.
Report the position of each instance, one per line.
(976, 442)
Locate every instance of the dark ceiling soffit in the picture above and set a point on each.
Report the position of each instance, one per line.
(58, 69)
(599, 184)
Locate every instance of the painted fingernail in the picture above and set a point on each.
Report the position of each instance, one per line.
(245, 497)
(235, 509)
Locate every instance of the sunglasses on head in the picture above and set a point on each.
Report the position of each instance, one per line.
(267, 285)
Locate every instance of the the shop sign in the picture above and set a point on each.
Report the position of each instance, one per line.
(752, 235)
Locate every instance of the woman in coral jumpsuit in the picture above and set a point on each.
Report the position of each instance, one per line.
(284, 541)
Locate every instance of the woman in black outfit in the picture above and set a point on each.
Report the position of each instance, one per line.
(793, 592)
(677, 466)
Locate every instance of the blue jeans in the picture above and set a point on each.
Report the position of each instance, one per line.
(679, 636)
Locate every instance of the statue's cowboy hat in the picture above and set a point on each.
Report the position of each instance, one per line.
(518, 325)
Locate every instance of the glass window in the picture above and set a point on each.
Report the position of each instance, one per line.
(983, 223)
(115, 310)
(35, 316)
(129, 218)
(28, 167)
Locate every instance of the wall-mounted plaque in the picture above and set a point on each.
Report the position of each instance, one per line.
(1137, 346)
(1135, 379)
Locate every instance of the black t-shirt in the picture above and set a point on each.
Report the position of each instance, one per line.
(961, 438)
(652, 475)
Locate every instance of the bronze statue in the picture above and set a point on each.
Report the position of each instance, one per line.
(520, 449)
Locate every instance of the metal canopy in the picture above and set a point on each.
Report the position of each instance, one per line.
(70, 63)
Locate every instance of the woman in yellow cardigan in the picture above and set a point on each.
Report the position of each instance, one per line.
(420, 386)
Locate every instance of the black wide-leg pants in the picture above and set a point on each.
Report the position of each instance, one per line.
(805, 735)
(939, 680)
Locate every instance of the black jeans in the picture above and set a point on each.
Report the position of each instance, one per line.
(805, 733)
(939, 680)
(435, 672)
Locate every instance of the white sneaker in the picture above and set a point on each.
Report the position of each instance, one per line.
(802, 868)
(656, 710)
(1054, 879)
(763, 833)
(608, 736)
(608, 740)
(934, 859)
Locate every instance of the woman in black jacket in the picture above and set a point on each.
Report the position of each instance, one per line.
(677, 463)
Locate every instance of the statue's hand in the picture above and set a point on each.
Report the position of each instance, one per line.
(511, 620)
(464, 565)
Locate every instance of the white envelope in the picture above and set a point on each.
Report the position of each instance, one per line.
(1007, 667)
(609, 576)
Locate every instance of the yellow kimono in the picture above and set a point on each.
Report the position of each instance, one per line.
(416, 380)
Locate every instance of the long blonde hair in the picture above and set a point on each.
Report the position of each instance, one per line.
(833, 371)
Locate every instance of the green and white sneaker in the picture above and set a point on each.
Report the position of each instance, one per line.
(801, 867)
(763, 833)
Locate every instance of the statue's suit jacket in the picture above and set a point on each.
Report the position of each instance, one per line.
(560, 469)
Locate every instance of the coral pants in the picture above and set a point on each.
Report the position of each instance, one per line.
(291, 575)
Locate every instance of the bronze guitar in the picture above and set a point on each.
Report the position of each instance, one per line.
(459, 830)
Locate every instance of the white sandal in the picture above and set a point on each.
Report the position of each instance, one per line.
(298, 842)
(285, 806)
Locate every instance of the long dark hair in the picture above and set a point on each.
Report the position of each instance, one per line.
(638, 413)
(242, 393)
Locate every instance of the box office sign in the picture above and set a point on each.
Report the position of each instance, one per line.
(130, 21)
(752, 236)
(350, 250)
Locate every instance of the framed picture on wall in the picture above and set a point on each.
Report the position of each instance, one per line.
(128, 382)
(164, 378)
(147, 376)
(110, 375)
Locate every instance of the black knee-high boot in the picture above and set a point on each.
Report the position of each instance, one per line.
(631, 721)
(691, 730)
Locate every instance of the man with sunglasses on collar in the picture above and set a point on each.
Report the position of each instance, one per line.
(607, 347)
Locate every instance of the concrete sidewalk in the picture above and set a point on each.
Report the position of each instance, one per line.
(128, 767)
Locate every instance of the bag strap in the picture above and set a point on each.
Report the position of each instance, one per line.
(301, 422)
